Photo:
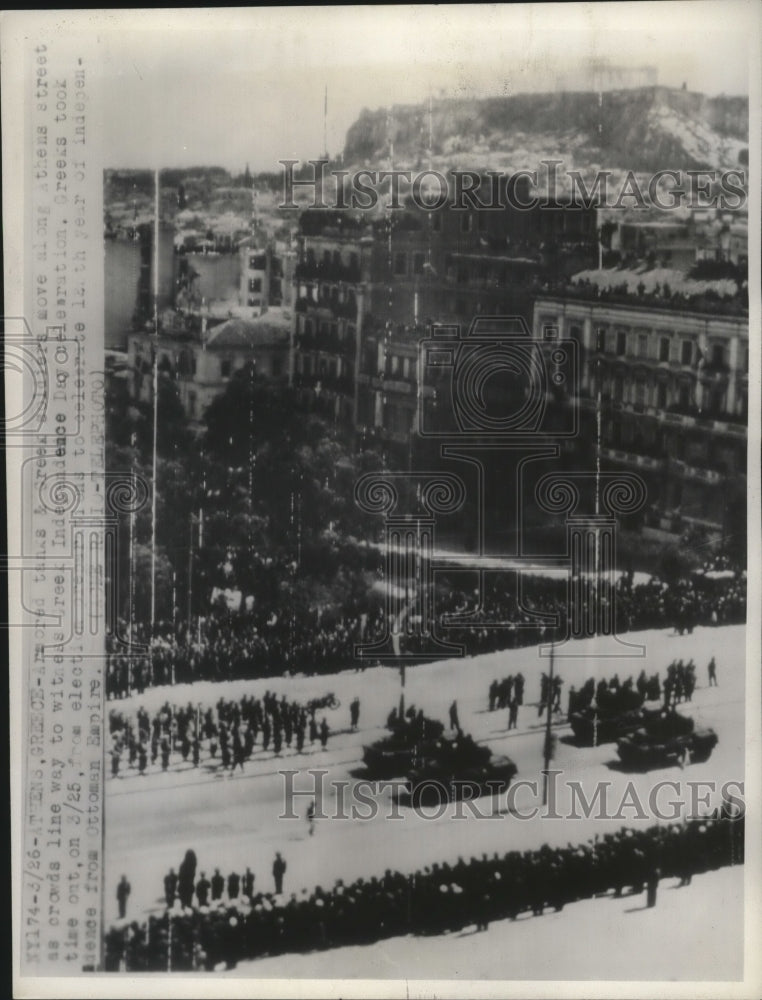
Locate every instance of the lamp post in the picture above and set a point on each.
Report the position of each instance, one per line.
(548, 748)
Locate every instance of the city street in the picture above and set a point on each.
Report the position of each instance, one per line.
(233, 821)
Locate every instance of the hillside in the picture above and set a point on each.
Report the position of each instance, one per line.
(644, 130)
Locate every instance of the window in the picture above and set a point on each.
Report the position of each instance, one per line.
(400, 264)
(436, 222)
(600, 339)
(277, 367)
(618, 388)
(685, 394)
(686, 352)
(575, 332)
(640, 392)
(661, 395)
(664, 349)
(718, 356)
(467, 223)
(419, 260)
(643, 345)
(255, 284)
(717, 401)
(226, 367)
(621, 342)
(395, 364)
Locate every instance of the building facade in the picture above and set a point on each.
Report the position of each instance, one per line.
(203, 363)
(672, 390)
(367, 289)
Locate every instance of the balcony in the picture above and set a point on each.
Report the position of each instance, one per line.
(328, 271)
(328, 383)
(329, 343)
(631, 458)
(711, 476)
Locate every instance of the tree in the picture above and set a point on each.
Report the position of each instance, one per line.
(280, 491)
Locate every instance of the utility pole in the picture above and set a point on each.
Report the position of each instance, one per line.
(548, 748)
(155, 398)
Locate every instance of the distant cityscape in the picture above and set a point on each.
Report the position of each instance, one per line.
(337, 304)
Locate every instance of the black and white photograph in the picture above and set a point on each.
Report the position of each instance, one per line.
(385, 580)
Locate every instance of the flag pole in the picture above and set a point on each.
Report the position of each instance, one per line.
(548, 749)
(155, 398)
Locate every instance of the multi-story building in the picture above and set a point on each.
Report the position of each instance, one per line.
(367, 288)
(266, 274)
(203, 362)
(672, 388)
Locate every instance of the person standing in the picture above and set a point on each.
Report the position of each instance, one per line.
(202, 890)
(492, 696)
(218, 885)
(279, 870)
(354, 713)
(513, 713)
(248, 883)
(454, 720)
(123, 891)
(311, 817)
(170, 888)
(651, 886)
(186, 880)
(234, 885)
(323, 733)
(518, 686)
(712, 670)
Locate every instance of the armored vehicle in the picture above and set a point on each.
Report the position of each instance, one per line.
(458, 767)
(666, 738)
(617, 714)
(392, 756)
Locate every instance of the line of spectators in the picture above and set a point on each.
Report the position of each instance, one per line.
(437, 899)
(269, 643)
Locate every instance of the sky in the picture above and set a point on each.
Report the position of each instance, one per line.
(230, 87)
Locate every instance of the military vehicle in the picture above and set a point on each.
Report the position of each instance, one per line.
(392, 756)
(617, 714)
(666, 738)
(455, 767)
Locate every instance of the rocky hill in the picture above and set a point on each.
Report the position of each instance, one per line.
(644, 130)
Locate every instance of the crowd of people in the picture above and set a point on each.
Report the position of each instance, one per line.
(222, 736)
(239, 925)
(274, 642)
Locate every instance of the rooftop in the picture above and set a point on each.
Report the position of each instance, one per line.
(270, 330)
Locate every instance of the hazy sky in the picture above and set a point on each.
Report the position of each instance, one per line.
(234, 86)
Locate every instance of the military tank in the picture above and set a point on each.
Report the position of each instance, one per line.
(666, 738)
(615, 716)
(394, 755)
(454, 767)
